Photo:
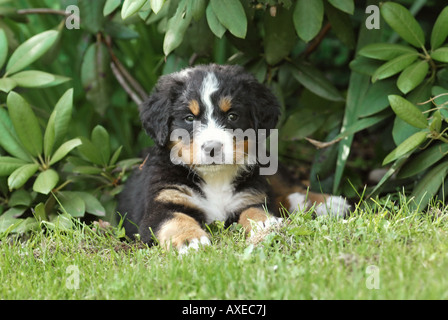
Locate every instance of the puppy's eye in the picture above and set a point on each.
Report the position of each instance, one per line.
(232, 117)
(189, 118)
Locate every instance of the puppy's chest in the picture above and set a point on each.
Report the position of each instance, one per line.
(219, 201)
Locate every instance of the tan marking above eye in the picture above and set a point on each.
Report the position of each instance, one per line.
(225, 104)
(194, 107)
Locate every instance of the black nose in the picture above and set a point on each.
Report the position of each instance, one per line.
(212, 148)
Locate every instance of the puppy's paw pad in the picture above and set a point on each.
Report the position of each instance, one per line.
(335, 206)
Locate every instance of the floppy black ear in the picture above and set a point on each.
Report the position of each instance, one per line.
(155, 113)
(265, 107)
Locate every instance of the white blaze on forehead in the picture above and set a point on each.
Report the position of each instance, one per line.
(209, 86)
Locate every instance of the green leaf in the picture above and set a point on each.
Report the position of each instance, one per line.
(9, 140)
(7, 84)
(375, 100)
(101, 141)
(232, 16)
(177, 26)
(197, 8)
(92, 204)
(37, 79)
(30, 51)
(341, 25)
(412, 76)
(403, 23)
(3, 48)
(394, 66)
(20, 198)
(39, 212)
(308, 17)
(25, 123)
(440, 54)
(64, 149)
(49, 136)
(111, 6)
(215, 26)
(385, 51)
(279, 33)
(21, 175)
(156, 5)
(347, 6)
(408, 112)
(72, 204)
(429, 185)
(406, 146)
(46, 181)
(440, 29)
(131, 7)
(423, 161)
(8, 165)
(314, 81)
(115, 156)
(436, 123)
(63, 113)
(89, 151)
(92, 15)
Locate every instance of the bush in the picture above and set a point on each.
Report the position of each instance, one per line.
(69, 122)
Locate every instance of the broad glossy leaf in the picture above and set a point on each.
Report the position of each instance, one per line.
(30, 51)
(111, 6)
(90, 152)
(21, 175)
(341, 25)
(347, 6)
(375, 100)
(394, 66)
(440, 54)
(8, 165)
(64, 149)
(92, 204)
(279, 36)
(72, 204)
(314, 81)
(9, 140)
(197, 8)
(156, 5)
(100, 139)
(37, 79)
(385, 51)
(25, 123)
(7, 84)
(131, 7)
(215, 26)
(412, 76)
(408, 112)
(63, 113)
(46, 181)
(427, 187)
(49, 136)
(232, 16)
(177, 26)
(424, 160)
(403, 23)
(440, 29)
(3, 48)
(406, 146)
(308, 17)
(92, 15)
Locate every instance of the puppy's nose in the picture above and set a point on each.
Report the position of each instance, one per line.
(212, 148)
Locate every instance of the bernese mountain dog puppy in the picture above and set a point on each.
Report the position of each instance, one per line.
(205, 166)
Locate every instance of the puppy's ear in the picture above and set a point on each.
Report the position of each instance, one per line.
(266, 108)
(155, 113)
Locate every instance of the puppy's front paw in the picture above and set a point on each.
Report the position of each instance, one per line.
(195, 244)
(335, 206)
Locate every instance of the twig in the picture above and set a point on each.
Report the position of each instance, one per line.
(125, 85)
(317, 40)
(322, 145)
(42, 11)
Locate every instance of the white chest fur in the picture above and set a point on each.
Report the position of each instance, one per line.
(219, 200)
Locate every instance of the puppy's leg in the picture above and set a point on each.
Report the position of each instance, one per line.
(256, 218)
(183, 232)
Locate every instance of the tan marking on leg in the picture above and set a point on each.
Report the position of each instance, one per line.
(225, 104)
(251, 214)
(179, 231)
(175, 196)
(194, 107)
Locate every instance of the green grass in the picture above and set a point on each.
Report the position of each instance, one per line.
(306, 259)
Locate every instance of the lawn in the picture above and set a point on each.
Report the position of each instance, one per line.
(382, 251)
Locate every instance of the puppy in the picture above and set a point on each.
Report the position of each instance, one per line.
(210, 124)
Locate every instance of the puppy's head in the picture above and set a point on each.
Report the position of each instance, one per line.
(209, 115)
